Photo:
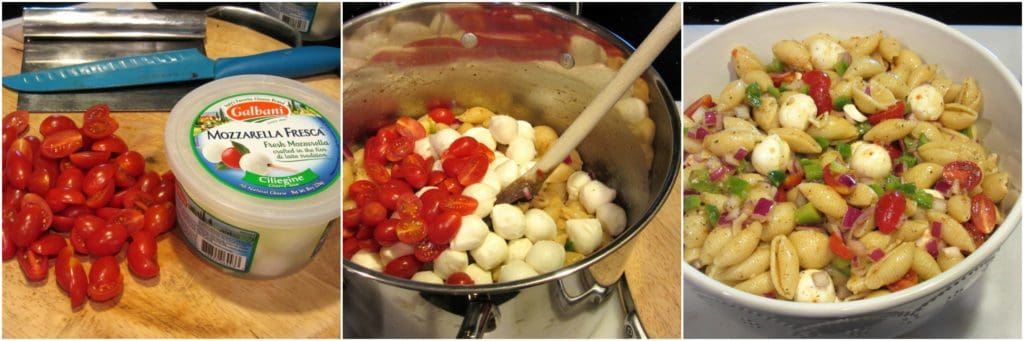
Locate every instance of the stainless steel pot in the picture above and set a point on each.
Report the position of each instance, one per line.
(534, 84)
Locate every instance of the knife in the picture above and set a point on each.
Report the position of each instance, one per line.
(175, 66)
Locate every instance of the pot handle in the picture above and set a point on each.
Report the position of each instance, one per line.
(481, 316)
(596, 291)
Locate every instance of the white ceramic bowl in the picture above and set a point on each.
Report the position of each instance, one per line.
(707, 70)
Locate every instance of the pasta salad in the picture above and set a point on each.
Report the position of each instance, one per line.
(420, 201)
(843, 169)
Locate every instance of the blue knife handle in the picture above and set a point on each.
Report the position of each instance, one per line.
(290, 63)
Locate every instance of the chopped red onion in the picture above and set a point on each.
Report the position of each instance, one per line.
(943, 187)
(867, 90)
(568, 160)
(690, 192)
(932, 247)
(900, 145)
(877, 254)
(718, 173)
(845, 57)
(794, 167)
(898, 170)
(699, 133)
(710, 118)
(936, 229)
(763, 207)
(847, 180)
(740, 154)
(724, 219)
(527, 194)
(852, 213)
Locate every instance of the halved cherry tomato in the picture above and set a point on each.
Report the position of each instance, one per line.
(9, 249)
(832, 180)
(137, 199)
(408, 206)
(399, 148)
(89, 159)
(21, 147)
(390, 191)
(61, 144)
(451, 185)
(98, 178)
(474, 170)
(410, 128)
(147, 182)
(40, 181)
(459, 278)
(377, 172)
(385, 233)
(983, 213)
(48, 245)
(66, 196)
(894, 111)
(792, 180)
(967, 173)
(70, 179)
(411, 231)
(55, 123)
(99, 128)
(442, 115)
(432, 200)
(373, 213)
(159, 218)
(350, 217)
(35, 267)
(131, 219)
(782, 77)
(442, 228)
(17, 170)
(114, 144)
(141, 255)
(889, 211)
(105, 279)
(362, 191)
(908, 280)
(101, 198)
(108, 240)
(835, 242)
(132, 163)
(32, 199)
(16, 121)
(427, 251)
(435, 177)
(369, 244)
(403, 267)
(28, 225)
(98, 111)
(71, 276)
(62, 223)
(461, 147)
(375, 150)
(704, 101)
(349, 247)
(819, 89)
(460, 204)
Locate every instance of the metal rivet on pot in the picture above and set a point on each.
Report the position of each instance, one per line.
(468, 40)
(567, 61)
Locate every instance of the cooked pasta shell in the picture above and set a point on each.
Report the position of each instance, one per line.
(890, 268)
(798, 140)
(740, 246)
(784, 267)
(763, 80)
(862, 196)
(812, 248)
(924, 265)
(794, 54)
(958, 116)
(727, 142)
(970, 94)
(732, 95)
(755, 264)
(911, 230)
(952, 232)
(863, 66)
(767, 115)
(760, 284)
(994, 186)
(891, 81)
(921, 74)
(889, 130)
(867, 45)
(959, 208)
(745, 61)
(948, 260)
(834, 128)
(781, 221)
(695, 230)
(824, 198)
(714, 243)
(923, 175)
(889, 47)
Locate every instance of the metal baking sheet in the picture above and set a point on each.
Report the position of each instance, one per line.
(67, 36)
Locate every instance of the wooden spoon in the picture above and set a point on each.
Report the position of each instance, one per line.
(637, 63)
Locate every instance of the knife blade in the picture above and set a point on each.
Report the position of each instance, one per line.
(175, 66)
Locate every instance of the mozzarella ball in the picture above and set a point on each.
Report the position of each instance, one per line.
(442, 139)
(368, 259)
(449, 262)
(482, 135)
(479, 276)
(256, 163)
(516, 270)
(423, 148)
(821, 292)
(485, 196)
(525, 130)
(825, 54)
(631, 109)
(508, 221)
(491, 253)
(427, 277)
(925, 102)
(491, 179)
(471, 234)
(612, 218)
(770, 154)
(506, 172)
(504, 128)
(595, 194)
(585, 234)
(575, 183)
(521, 150)
(517, 249)
(539, 225)
(390, 252)
(546, 256)
(213, 149)
(870, 160)
(797, 111)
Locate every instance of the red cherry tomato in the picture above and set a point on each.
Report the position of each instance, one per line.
(71, 276)
(411, 231)
(908, 280)
(147, 182)
(377, 172)
(105, 279)
(832, 180)
(889, 211)
(101, 198)
(28, 224)
(362, 191)
(408, 205)
(349, 247)
(9, 249)
(461, 147)
(375, 150)
(159, 218)
(40, 181)
(99, 128)
(55, 123)
(98, 111)
(410, 128)
(403, 267)
(85, 226)
(442, 115)
(473, 171)
(137, 199)
(65, 196)
(413, 169)
(17, 171)
(21, 147)
(70, 179)
(62, 223)
(16, 121)
(49, 245)
(432, 200)
(983, 213)
(399, 148)
(894, 111)
(230, 157)
(442, 229)
(835, 242)
(451, 185)
(435, 177)
(61, 144)
(107, 241)
(373, 213)
(967, 173)
(459, 278)
(427, 251)
(819, 85)
(390, 191)
(460, 204)
(350, 217)
(385, 233)
(35, 267)
(89, 159)
(132, 163)
(98, 178)
(370, 245)
(131, 219)
(32, 199)
(142, 255)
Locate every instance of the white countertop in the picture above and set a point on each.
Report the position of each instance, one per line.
(998, 290)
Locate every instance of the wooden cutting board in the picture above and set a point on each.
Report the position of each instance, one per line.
(190, 299)
(653, 270)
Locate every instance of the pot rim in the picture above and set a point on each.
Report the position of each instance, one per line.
(659, 198)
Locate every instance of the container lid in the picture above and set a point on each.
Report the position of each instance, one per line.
(258, 150)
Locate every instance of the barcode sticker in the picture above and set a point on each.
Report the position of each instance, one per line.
(222, 256)
(299, 23)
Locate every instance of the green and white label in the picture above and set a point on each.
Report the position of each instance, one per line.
(267, 145)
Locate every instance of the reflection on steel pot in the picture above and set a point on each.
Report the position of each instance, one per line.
(533, 63)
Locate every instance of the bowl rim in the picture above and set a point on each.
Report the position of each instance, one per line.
(869, 305)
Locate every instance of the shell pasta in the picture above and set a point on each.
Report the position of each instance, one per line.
(837, 169)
